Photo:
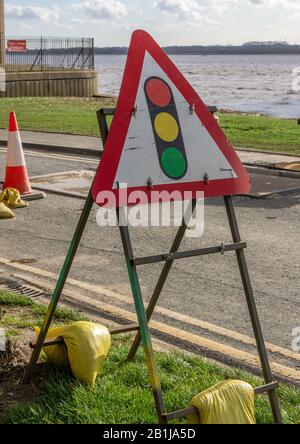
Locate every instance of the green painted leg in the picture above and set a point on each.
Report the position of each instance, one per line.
(60, 285)
(143, 323)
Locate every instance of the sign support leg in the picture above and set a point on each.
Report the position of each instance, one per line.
(136, 291)
(60, 285)
(267, 372)
(161, 281)
(142, 318)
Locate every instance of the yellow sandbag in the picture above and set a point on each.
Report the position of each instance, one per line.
(57, 354)
(12, 198)
(5, 212)
(229, 402)
(86, 348)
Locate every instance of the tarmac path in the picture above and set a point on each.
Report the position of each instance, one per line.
(202, 308)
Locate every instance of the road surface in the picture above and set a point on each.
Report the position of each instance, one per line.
(203, 297)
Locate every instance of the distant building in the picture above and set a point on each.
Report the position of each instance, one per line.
(268, 43)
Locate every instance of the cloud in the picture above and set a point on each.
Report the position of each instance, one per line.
(84, 11)
(196, 13)
(98, 10)
(188, 11)
(47, 15)
(285, 4)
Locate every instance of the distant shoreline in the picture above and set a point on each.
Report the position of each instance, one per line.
(213, 50)
(253, 113)
(221, 110)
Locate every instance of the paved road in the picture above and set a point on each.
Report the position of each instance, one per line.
(207, 289)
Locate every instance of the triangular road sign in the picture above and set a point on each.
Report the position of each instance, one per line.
(163, 137)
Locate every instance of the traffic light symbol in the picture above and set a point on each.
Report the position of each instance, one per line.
(166, 128)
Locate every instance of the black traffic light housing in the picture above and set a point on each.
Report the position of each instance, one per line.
(166, 128)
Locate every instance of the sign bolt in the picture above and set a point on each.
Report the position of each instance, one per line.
(192, 108)
(150, 183)
(206, 179)
(222, 249)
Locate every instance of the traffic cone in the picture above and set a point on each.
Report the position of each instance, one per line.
(16, 171)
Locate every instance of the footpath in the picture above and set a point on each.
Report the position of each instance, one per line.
(92, 146)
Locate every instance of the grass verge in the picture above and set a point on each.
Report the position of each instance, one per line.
(262, 133)
(77, 116)
(122, 394)
(62, 115)
(19, 312)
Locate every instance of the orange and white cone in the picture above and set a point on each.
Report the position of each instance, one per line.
(16, 171)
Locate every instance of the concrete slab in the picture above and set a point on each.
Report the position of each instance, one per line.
(264, 158)
(289, 166)
(70, 183)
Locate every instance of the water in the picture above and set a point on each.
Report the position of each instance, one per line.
(249, 83)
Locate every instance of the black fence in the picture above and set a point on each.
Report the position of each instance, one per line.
(48, 53)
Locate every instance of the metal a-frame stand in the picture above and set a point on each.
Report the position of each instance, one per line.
(143, 315)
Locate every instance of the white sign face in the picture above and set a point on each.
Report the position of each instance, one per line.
(140, 159)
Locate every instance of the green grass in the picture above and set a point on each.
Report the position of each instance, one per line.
(13, 321)
(33, 314)
(13, 332)
(262, 133)
(77, 116)
(62, 115)
(122, 394)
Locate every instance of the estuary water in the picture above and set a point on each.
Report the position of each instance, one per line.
(267, 84)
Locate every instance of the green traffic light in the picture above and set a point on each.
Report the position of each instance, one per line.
(174, 163)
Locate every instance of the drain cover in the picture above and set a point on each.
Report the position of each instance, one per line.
(24, 290)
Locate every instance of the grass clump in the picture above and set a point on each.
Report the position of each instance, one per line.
(20, 312)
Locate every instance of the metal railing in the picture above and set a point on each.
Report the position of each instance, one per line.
(48, 53)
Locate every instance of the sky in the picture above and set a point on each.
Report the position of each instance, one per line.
(171, 22)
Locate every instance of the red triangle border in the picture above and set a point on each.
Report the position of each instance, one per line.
(141, 43)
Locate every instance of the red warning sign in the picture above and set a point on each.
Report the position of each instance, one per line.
(17, 45)
(163, 137)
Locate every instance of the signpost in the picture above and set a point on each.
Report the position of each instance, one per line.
(2, 34)
(163, 138)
